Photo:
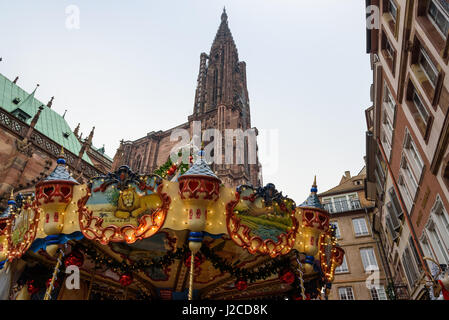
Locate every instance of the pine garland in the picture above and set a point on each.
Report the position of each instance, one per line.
(274, 266)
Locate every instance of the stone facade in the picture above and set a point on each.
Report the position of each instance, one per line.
(27, 155)
(352, 214)
(221, 102)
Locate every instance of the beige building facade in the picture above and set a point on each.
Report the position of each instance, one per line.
(362, 274)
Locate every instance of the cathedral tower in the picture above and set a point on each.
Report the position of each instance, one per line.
(221, 102)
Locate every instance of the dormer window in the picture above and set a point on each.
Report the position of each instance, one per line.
(16, 100)
(20, 114)
(66, 134)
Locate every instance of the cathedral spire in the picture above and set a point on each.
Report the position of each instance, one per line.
(221, 77)
(224, 16)
(223, 33)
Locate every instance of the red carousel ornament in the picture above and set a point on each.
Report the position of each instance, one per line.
(197, 261)
(32, 289)
(287, 277)
(75, 258)
(55, 284)
(126, 279)
(298, 296)
(241, 284)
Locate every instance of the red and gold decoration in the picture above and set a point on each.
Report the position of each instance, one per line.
(262, 221)
(74, 258)
(124, 213)
(19, 228)
(314, 221)
(123, 207)
(241, 284)
(126, 279)
(287, 277)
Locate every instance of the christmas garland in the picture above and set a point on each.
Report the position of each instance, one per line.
(168, 169)
(274, 266)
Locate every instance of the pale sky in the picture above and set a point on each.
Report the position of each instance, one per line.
(132, 67)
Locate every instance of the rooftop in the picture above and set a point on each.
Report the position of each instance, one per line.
(50, 123)
(347, 184)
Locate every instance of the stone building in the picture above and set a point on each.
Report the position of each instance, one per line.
(407, 142)
(352, 215)
(221, 102)
(32, 136)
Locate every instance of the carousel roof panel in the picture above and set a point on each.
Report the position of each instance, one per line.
(60, 173)
(312, 201)
(200, 168)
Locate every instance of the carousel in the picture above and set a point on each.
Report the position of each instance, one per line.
(175, 234)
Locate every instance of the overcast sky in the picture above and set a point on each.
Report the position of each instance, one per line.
(132, 67)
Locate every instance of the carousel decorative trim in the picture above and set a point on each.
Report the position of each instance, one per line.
(261, 203)
(129, 197)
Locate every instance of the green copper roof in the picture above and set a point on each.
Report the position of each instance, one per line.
(50, 123)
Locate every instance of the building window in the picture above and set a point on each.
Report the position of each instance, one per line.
(393, 233)
(343, 268)
(337, 229)
(410, 268)
(360, 228)
(345, 293)
(438, 13)
(388, 125)
(388, 52)
(396, 222)
(405, 192)
(420, 107)
(378, 293)
(369, 259)
(389, 49)
(395, 202)
(437, 236)
(427, 65)
(138, 163)
(387, 132)
(427, 251)
(389, 100)
(410, 182)
(392, 9)
(412, 152)
(442, 219)
(342, 203)
(415, 254)
(386, 144)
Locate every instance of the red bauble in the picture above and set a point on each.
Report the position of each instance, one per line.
(126, 279)
(196, 262)
(298, 296)
(75, 258)
(31, 288)
(287, 277)
(241, 285)
(191, 159)
(55, 284)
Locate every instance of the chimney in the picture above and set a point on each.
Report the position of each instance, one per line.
(348, 174)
